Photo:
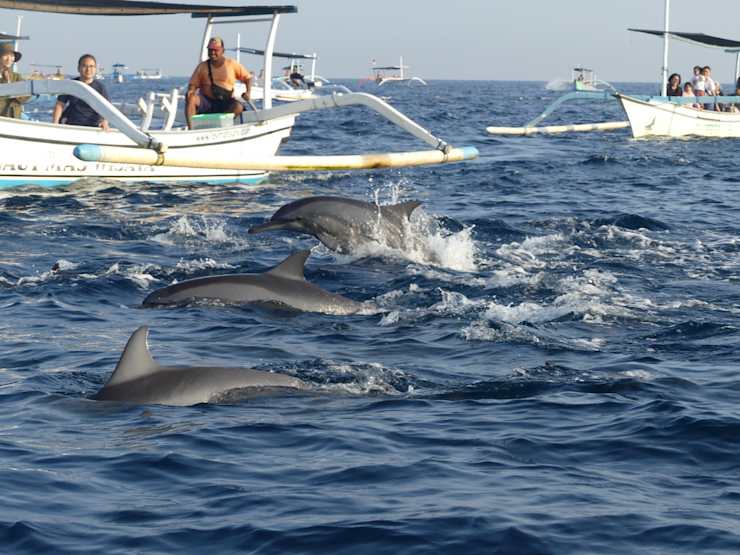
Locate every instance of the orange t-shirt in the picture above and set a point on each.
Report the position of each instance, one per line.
(225, 76)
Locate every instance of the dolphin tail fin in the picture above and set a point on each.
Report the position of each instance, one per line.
(291, 267)
(405, 208)
(136, 360)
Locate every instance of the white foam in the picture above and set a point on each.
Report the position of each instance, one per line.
(186, 232)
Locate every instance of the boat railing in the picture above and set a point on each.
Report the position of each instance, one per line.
(92, 98)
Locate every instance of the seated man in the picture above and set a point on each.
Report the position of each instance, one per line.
(296, 79)
(10, 107)
(79, 112)
(215, 78)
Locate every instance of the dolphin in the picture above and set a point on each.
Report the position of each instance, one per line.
(284, 284)
(344, 224)
(138, 379)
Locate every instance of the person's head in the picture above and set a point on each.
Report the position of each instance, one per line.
(706, 71)
(697, 70)
(675, 80)
(87, 66)
(262, 73)
(215, 49)
(8, 55)
(687, 87)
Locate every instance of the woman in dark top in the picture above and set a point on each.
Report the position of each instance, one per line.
(674, 85)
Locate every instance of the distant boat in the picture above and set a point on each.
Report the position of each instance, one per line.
(382, 78)
(581, 79)
(149, 74)
(39, 74)
(117, 74)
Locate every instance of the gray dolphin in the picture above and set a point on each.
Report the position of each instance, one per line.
(344, 224)
(138, 379)
(282, 284)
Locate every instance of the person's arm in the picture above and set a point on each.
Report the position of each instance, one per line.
(58, 109)
(245, 77)
(104, 125)
(248, 93)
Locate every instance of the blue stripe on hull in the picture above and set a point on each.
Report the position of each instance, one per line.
(7, 183)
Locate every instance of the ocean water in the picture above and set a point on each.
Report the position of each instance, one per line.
(564, 380)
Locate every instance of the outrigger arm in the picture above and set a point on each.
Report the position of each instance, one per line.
(336, 101)
(92, 98)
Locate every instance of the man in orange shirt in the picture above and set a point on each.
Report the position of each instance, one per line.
(215, 78)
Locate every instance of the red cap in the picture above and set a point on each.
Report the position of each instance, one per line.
(215, 44)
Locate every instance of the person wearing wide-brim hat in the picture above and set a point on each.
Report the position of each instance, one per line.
(10, 107)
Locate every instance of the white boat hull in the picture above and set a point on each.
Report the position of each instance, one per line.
(42, 153)
(672, 120)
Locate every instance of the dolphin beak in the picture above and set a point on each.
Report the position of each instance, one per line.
(272, 225)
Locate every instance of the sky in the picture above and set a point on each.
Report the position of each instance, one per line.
(522, 40)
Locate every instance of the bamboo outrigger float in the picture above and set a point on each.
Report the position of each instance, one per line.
(245, 150)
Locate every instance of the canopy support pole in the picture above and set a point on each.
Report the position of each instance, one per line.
(664, 87)
(14, 67)
(267, 85)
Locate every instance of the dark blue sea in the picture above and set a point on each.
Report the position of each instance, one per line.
(566, 380)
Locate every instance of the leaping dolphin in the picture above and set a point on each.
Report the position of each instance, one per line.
(138, 379)
(283, 284)
(344, 224)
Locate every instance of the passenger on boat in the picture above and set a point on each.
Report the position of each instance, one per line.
(215, 78)
(698, 81)
(735, 107)
(10, 107)
(77, 111)
(710, 89)
(674, 85)
(688, 92)
(296, 79)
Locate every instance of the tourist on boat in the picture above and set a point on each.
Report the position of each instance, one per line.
(10, 107)
(687, 91)
(77, 111)
(710, 89)
(674, 85)
(698, 81)
(215, 79)
(296, 79)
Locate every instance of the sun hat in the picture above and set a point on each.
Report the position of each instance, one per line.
(6, 47)
(216, 44)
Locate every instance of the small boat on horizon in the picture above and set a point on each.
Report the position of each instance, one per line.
(382, 78)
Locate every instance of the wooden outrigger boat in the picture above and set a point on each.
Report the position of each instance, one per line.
(315, 85)
(659, 115)
(382, 78)
(245, 150)
(581, 79)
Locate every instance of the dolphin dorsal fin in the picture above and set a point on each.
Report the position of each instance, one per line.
(405, 208)
(136, 361)
(291, 267)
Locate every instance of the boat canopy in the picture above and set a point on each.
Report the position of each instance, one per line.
(391, 67)
(276, 54)
(581, 69)
(11, 37)
(128, 7)
(697, 38)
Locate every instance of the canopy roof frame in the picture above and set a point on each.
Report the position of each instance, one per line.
(700, 39)
(135, 7)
